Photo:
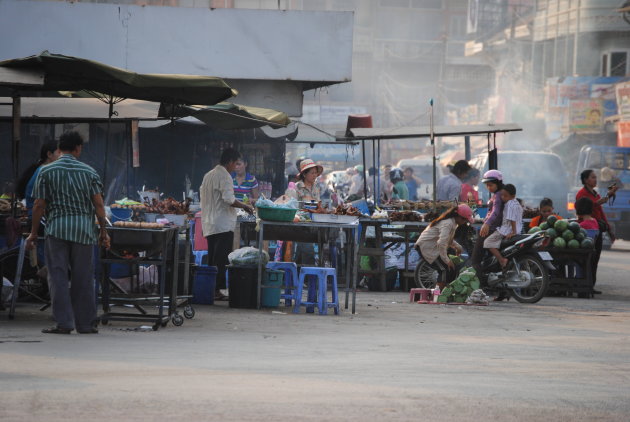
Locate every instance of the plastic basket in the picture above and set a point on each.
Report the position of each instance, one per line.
(276, 214)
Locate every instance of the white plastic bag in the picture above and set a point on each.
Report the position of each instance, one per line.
(247, 256)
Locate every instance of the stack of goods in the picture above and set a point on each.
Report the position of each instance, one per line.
(440, 206)
(347, 209)
(461, 288)
(168, 206)
(564, 234)
(405, 216)
(430, 216)
(129, 204)
(138, 225)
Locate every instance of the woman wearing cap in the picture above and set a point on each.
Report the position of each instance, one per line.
(435, 240)
(307, 190)
(400, 190)
(493, 179)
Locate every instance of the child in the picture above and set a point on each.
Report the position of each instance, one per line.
(584, 209)
(546, 210)
(512, 223)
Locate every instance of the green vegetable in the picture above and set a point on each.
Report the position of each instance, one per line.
(552, 233)
(559, 243)
(533, 230)
(442, 299)
(475, 284)
(574, 226)
(447, 291)
(573, 244)
(561, 225)
(568, 235)
(587, 243)
(551, 221)
(544, 226)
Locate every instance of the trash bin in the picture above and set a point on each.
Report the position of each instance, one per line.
(242, 285)
(272, 283)
(203, 285)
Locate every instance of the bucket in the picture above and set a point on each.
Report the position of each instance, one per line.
(121, 214)
(482, 212)
(203, 285)
(242, 286)
(272, 283)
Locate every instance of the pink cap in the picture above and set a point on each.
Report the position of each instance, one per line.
(464, 211)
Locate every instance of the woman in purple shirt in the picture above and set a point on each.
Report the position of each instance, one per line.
(493, 179)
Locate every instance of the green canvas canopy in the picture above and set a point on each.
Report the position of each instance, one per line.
(67, 73)
(227, 115)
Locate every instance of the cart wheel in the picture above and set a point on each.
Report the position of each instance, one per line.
(177, 320)
(189, 312)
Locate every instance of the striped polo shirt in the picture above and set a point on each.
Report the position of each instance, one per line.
(67, 185)
(246, 187)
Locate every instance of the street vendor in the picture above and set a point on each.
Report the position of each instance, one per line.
(493, 179)
(48, 153)
(400, 190)
(589, 182)
(218, 214)
(245, 184)
(546, 211)
(438, 237)
(307, 190)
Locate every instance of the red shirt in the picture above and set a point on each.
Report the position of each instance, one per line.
(464, 195)
(598, 211)
(589, 224)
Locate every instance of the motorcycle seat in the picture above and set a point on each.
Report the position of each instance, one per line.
(509, 242)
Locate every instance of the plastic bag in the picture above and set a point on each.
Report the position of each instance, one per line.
(247, 256)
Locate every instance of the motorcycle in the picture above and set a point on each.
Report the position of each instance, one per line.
(526, 277)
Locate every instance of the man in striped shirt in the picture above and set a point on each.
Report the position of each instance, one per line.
(69, 192)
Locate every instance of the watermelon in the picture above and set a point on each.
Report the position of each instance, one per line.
(552, 233)
(561, 225)
(573, 244)
(551, 220)
(583, 231)
(587, 243)
(574, 226)
(568, 235)
(580, 237)
(534, 230)
(544, 226)
(559, 243)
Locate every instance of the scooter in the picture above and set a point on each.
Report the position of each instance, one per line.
(526, 276)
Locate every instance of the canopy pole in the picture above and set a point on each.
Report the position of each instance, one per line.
(467, 154)
(432, 136)
(378, 172)
(364, 165)
(374, 167)
(107, 137)
(17, 128)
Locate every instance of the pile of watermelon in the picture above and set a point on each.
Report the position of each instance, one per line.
(460, 288)
(565, 234)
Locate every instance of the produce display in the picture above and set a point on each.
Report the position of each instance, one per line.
(405, 216)
(461, 288)
(347, 209)
(425, 205)
(5, 206)
(138, 225)
(168, 206)
(564, 234)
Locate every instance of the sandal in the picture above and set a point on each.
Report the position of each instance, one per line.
(57, 330)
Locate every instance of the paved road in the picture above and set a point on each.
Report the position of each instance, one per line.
(563, 359)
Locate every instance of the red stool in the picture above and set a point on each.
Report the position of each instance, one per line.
(423, 294)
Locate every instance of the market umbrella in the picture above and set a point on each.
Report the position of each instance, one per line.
(228, 116)
(113, 85)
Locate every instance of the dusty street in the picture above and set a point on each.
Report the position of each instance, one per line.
(563, 359)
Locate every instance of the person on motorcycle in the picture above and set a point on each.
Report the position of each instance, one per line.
(493, 179)
(435, 240)
(511, 226)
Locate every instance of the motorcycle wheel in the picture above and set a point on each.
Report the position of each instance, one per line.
(538, 288)
(425, 276)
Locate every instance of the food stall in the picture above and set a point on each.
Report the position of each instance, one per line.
(147, 235)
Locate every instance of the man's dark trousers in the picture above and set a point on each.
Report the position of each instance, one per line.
(219, 247)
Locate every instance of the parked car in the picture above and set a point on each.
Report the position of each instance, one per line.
(423, 168)
(535, 174)
(612, 165)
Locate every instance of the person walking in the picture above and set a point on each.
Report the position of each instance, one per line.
(70, 193)
(449, 187)
(218, 214)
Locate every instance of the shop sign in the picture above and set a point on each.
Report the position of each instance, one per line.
(623, 100)
(623, 134)
(586, 116)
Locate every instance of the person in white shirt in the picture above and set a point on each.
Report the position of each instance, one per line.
(511, 226)
(218, 213)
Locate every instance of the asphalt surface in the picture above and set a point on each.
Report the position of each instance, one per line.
(563, 359)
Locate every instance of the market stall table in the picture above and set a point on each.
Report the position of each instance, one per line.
(312, 232)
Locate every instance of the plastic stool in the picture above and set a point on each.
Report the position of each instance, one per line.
(199, 256)
(317, 279)
(425, 294)
(290, 279)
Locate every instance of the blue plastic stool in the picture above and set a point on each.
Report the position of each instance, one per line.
(290, 279)
(317, 279)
